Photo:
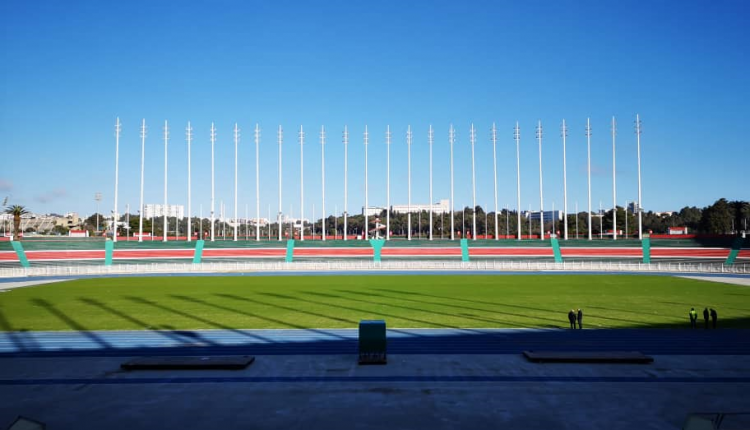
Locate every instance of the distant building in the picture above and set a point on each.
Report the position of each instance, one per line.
(372, 211)
(548, 215)
(677, 230)
(42, 222)
(442, 207)
(157, 211)
(633, 207)
(258, 221)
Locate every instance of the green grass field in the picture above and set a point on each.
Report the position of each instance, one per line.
(608, 301)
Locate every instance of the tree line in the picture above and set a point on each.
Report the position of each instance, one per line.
(722, 217)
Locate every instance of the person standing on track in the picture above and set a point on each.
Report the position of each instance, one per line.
(714, 317)
(572, 319)
(693, 318)
(705, 317)
(580, 319)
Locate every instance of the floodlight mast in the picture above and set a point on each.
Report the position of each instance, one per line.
(564, 133)
(541, 187)
(430, 136)
(408, 175)
(323, 179)
(118, 128)
(472, 136)
(614, 182)
(301, 185)
(494, 170)
(280, 135)
(452, 140)
(640, 205)
(143, 161)
(166, 140)
(517, 137)
(367, 219)
(213, 182)
(388, 184)
(257, 184)
(346, 175)
(189, 133)
(236, 141)
(588, 143)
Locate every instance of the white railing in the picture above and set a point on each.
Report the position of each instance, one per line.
(359, 265)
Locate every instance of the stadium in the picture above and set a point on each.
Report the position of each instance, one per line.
(402, 215)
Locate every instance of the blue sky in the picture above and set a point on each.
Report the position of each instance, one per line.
(68, 69)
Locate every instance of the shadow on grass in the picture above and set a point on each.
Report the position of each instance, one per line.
(492, 321)
(563, 314)
(178, 335)
(250, 314)
(194, 317)
(453, 305)
(376, 314)
(70, 322)
(286, 308)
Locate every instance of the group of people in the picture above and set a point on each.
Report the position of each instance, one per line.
(706, 313)
(574, 317)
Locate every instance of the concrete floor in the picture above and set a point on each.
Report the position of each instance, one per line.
(410, 392)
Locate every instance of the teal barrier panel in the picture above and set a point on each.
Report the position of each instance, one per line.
(290, 250)
(464, 249)
(556, 250)
(736, 246)
(377, 245)
(109, 249)
(646, 243)
(198, 256)
(20, 253)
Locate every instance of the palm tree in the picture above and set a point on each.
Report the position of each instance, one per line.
(16, 211)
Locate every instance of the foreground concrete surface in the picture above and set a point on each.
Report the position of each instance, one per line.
(410, 392)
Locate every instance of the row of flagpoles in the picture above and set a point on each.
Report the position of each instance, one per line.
(409, 137)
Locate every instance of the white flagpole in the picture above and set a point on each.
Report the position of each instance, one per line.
(213, 189)
(473, 187)
(588, 143)
(640, 203)
(494, 164)
(257, 185)
(301, 183)
(281, 139)
(388, 184)
(323, 179)
(408, 174)
(565, 182)
(166, 139)
(189, 131)
(452, 139)
(367, 218)
(614, 183)
(143, 161)
(236, 140)
(517, 136)
(541, 188)
(118, 127)
(346, 175)
(431, 136)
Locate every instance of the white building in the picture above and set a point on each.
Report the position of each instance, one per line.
(157, 211)
(548, 215)
(263, 222)
(443, 206)
(372, 211)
